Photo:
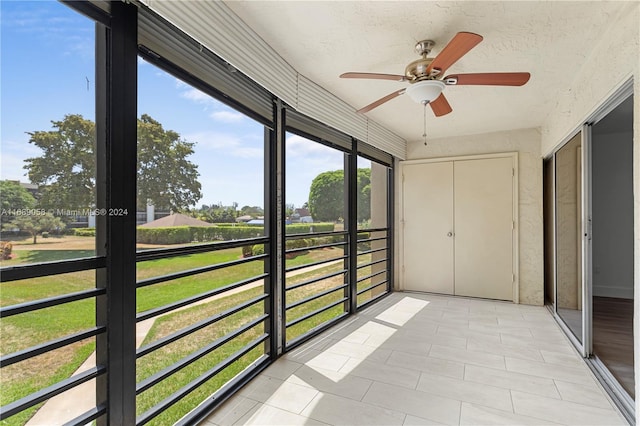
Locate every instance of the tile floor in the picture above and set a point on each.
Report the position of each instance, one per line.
(419, 359)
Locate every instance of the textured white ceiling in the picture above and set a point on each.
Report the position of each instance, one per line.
(549, 39)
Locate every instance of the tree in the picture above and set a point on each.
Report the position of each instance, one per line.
(66, 170)
(14, 197)
(364, 194)
(326, 195)
(65, 173)
(166, 178)
(35, 224)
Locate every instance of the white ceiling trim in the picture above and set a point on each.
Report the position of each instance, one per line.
(219, 29)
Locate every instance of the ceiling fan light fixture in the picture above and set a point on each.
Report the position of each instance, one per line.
(425, 91)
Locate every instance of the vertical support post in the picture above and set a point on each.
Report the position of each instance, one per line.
(102, 136)
(278, 251)
(390, 227)
(351, 204)
(271, 266)
(121, 174)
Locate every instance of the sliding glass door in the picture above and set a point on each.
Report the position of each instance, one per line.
(589, 253)
(568, 219)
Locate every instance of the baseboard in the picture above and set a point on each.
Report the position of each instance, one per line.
(608, 291)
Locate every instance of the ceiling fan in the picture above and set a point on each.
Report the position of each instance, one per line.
(425, 75)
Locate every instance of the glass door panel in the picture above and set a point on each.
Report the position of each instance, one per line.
(568, 194)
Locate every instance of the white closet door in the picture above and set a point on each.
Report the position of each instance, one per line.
(427, 213)
(483, 228)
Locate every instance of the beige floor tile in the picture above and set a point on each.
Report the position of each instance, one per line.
(266, 415)
(427, 364)
(478, 345)
(328, 361)
(333, 382)
(440, 339)
(587, 395)
(572, 360)
(464, 332)
(428, 406)
(536, 344)
(452, 361)
(359, 351)
(356, 337)
(385, 373)
(551, 371)
(487, 328)
(477, 393)
(472, 414)
(335, 410)
(231, 411)
(510, 380)
(407, 343)
(564, 412)
(276, 393)
(419, 421)
(467, 356)
(283, 368)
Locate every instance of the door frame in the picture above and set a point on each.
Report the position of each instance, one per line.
(620, 397)
(515, 213)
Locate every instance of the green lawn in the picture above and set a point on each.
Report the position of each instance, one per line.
(25, 330)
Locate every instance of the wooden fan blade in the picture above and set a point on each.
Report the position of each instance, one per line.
(381, 101)
(440, 106)
(373, 76)
(458, 46)
(489, 79)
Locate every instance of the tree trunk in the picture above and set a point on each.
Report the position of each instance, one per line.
(35, 235)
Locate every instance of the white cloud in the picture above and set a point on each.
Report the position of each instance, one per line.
(227, 116)
(247, 152)
(213, 140)
(196, 95)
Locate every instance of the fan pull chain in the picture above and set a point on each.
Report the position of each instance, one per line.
(424, 135)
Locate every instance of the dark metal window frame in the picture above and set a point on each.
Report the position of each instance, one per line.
(117, 51)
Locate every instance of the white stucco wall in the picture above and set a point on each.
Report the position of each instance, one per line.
(614, 60)
(527, 143)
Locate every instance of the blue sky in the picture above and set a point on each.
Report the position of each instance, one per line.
(47, 63)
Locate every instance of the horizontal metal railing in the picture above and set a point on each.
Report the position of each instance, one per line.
(49, 302)
(370, 263)
(315, 280)
(150, 414)
(325, 263)
(49, 346)
(165, 253)
(195, 271)
(28, 271)
(211, 346)
(203, 296)
(49, 392)
(316, 312)
(194, 356)
(315, 296)
(313, 264)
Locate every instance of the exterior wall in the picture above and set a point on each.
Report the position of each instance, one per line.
(527, 143)
(614, 60)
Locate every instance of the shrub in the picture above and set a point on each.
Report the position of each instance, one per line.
(306, 228)
(247, 251)
(258, 249)
(5, 250)
(164, 236)
(83, 232)
(45, 234)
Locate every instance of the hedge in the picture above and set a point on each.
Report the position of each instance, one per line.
(187, 234)
(84, 232)
(306, 228)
